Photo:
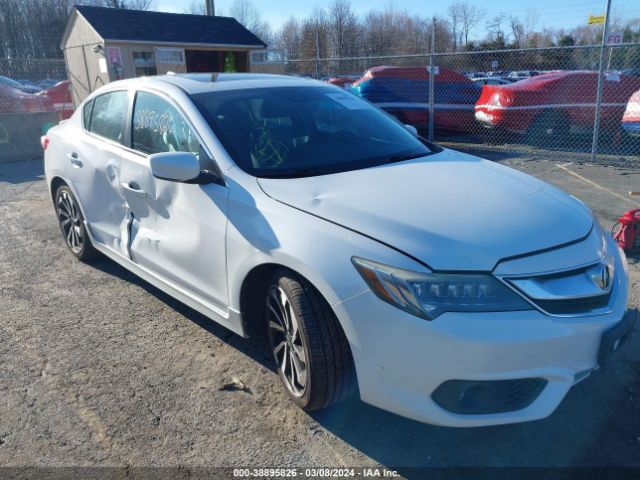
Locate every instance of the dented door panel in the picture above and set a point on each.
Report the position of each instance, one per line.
(177, 230)
(96, 182)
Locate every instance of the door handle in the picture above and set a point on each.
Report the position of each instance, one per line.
(75, 161)
(134, 188)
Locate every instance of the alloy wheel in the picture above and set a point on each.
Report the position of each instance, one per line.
(287, 342)
(70, 221)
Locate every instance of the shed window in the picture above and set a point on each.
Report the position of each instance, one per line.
(144, 64)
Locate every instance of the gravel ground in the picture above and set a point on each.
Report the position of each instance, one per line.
(98, 368)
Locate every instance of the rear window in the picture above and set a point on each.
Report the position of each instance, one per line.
(108, 115)
(86, 114)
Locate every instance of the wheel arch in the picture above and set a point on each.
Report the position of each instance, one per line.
(253, 290)
(55, 184)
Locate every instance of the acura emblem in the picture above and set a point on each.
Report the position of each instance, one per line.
(602, 278)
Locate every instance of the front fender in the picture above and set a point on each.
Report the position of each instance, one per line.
(262, 231)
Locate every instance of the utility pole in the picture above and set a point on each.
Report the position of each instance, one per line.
(210, 7)
(596, 120)
(432, 77)
(318, 67)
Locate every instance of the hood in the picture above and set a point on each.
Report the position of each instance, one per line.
(449, 210)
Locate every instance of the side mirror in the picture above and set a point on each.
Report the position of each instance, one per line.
(412, 129)
(180, 167)
(174, 166)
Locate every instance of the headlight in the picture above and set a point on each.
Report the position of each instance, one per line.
(428, 295)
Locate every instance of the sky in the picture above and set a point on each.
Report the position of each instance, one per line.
(550, 13)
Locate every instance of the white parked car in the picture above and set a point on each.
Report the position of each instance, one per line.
(445, 288)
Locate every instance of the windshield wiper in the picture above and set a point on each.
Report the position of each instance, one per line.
(292, 173)
(402, 158)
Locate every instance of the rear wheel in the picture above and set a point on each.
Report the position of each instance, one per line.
(72, 225)
(310, 349)
(550, 129)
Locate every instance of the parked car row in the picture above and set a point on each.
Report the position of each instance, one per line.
(56, 98)
(540, 105)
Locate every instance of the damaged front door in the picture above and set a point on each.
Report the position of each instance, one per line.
(177, 230)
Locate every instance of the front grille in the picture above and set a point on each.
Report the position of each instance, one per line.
(470, 397)
(574, 306)
(572, 292)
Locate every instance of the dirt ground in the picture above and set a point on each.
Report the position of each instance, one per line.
(98, 368)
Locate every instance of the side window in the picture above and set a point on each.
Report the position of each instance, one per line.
(159, 127)
(109, 111)
(86, 114)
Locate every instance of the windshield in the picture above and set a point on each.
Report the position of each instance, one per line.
(304, 131)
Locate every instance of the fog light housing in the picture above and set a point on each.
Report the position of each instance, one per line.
(472, 397)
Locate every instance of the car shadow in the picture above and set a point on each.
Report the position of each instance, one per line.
(582, 432)
(22, 171)
(252, 348)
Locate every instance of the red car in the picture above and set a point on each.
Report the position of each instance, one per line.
(343, 82)
(13, 100)
(556, 103)
(60, 96)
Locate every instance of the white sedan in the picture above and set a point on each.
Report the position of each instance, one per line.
(443, 287)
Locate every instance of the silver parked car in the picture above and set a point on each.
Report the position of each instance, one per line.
(444, 287)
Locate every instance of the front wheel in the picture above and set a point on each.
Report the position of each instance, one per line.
(72, 225)
(310, 349)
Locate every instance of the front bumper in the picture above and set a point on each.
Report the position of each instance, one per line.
(401, 360)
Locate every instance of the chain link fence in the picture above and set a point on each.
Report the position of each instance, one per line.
(538, 102)
(530, 102)
(34, 95)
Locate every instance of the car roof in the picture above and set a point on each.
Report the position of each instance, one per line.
(194, 83)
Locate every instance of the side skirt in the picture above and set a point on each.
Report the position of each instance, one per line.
(229, 318)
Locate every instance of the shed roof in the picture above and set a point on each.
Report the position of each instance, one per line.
(160, 27)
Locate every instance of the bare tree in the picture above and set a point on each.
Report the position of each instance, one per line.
(248, 15)
(196, 7)
(342, 28)
(130, 4)
(471, 16)
(315, 34)
(495, 30)
(455, 16)
(517, 30)
(290, 38)
(530, 23)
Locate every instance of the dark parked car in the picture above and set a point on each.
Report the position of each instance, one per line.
(404, 93)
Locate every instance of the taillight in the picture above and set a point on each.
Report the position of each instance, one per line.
(44, 141)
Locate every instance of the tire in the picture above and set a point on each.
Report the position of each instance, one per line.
(550, 129)
(325, 373)
(71, 223)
